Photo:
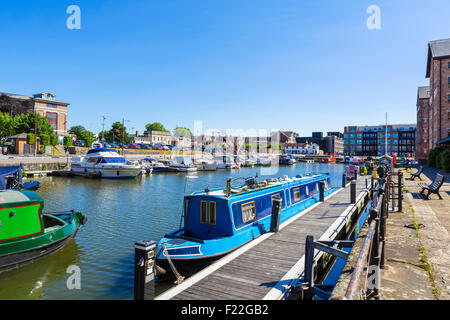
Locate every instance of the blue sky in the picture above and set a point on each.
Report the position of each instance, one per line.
(293, 65)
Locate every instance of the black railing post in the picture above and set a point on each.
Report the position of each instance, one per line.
(400, 176)
(144, 266)
(344, 180)
(309, 267)
(275, 219)
(353, 192)
(322, 191)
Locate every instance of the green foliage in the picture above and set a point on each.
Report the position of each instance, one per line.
(5, 125)
(41, 149)
(30, 138)
(116, 134)
(67, 141)
(83, 134)
(156, 126)
(54, 140)
(45, 139)
(444, 158)
(25, 122)
(182, 132)
(433, 157)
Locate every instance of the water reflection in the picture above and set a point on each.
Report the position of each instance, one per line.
(119, 213)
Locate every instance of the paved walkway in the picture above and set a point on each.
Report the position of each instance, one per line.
(418, 258)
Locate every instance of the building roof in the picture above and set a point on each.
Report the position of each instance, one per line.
(21, 136)
(437, 49)
(423, 92)
(34, 97)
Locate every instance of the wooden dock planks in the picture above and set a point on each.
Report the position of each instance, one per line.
(252, 274)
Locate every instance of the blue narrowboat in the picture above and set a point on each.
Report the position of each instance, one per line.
(218, 221)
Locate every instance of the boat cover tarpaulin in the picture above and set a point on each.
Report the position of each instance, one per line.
(8, 171)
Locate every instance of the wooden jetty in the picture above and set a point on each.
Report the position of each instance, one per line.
(268, 267)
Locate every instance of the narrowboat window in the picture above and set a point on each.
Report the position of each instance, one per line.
(186, 206)
(296, 194)
(203, 212)
(317, 187)
(274, 196)
(212, 212)
(307, 191)
(248, 211)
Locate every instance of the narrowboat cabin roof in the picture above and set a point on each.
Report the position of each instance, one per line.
(260, 186)
(12, 196)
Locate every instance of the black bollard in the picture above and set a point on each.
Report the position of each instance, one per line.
(344, 180)
(322, 191)
(144, 264)
(353, 192)
(276, 209)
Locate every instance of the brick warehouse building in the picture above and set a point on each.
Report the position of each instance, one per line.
(397, 139)
(424, 144)
(46, 105)
(438, 71)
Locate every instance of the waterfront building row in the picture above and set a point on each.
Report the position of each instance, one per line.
(379, 140)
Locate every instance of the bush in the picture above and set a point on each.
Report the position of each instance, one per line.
(42, 149)
(45, 139)
(433, 157)
(68, 141)
(30, 138)
(54, 140)
(444, 158)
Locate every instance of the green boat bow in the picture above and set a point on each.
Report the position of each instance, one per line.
(26, 233)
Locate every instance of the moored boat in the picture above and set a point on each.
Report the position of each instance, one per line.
(218, 221)
(205, 165)
(27, 234)
(11, 178)
(107, 163)
(181, 164)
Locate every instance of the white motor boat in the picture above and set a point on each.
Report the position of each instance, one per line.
(182, 164)
(225, 162)
(205, 165)
(107, 163)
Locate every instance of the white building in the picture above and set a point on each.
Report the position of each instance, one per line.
(301, 148)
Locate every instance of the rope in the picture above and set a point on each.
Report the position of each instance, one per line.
(180, 278)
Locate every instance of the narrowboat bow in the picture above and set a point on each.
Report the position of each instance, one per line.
(219, 221)
(26, 233)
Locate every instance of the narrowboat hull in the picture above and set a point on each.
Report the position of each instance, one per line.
(14, 254)
(186, 252)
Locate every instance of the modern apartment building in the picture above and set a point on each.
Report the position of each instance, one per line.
(397, 139)
(438, 71)
(46, 105)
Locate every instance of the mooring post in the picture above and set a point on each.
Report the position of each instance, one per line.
(144, 264)
(344, 180)
(322, 191)
(309, 267)
(353, 192)
(275, 219)
(400, 176)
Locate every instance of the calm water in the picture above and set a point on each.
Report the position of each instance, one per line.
(119, 213)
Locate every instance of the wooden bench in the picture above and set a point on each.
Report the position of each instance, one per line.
(433, 187)
(417, 174)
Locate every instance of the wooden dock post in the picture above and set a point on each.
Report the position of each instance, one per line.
(144, 264)
(276, 210)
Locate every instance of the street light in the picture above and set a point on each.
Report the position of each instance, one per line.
(123, 134)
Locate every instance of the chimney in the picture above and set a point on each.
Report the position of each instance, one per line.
(137, 133)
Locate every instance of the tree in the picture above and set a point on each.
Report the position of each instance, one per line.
(155, 126)
(13, 106)
(6, 129)
(182, 132)
(25, 122)
(83, 134)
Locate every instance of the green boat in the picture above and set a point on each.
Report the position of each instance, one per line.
(27, 234)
